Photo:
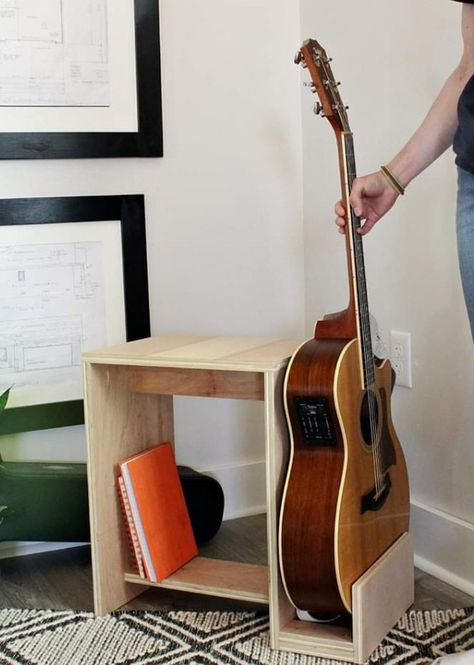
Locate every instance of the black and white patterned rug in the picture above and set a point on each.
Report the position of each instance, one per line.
(47, 637)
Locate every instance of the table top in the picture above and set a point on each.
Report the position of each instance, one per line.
(256, 354)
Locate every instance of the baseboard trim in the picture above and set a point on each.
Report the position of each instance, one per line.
(443, 545)
(244, 487)
(444, 575)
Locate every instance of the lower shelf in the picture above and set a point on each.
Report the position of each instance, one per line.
(216, 577)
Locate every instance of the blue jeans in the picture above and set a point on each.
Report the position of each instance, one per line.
(465, 235)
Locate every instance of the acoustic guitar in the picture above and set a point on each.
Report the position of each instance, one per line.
(346, 497)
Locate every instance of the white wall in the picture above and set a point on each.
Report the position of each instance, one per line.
(226, 241)
(392, 59)
(223, 208)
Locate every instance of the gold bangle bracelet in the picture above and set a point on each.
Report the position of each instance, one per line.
(392, 180)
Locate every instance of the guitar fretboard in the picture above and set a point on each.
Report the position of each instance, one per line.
(359, 267)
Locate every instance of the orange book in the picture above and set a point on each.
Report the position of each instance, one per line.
(159, 510)
(134, 544)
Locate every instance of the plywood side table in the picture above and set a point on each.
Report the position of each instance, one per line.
(129, 406)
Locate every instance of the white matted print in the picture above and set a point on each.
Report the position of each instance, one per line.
(61, 293)
(68, 66)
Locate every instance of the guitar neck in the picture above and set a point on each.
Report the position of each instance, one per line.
(359, 307)
(354, 321)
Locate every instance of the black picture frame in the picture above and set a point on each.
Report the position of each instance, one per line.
(147, 141)
(129, 210)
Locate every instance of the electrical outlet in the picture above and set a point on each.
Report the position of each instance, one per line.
(400, 357)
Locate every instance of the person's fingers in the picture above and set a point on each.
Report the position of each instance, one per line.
(367, 226)
(341, 224)
(355, 199)
(340, 217)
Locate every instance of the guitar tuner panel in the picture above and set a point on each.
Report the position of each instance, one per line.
(315, 420)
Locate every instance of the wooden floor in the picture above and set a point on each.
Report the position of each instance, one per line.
(62, 579)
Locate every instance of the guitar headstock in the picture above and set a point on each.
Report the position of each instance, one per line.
(314, 58)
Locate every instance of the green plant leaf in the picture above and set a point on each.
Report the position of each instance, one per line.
(4, 399)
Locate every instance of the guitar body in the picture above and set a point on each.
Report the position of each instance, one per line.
(334, 524)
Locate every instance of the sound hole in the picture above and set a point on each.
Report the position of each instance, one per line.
(369, 417)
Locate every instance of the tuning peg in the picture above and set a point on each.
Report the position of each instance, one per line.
(340, 107)
(318, 110)
(331, 84)
(299, 60)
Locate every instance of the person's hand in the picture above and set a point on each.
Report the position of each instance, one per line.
(371, 197)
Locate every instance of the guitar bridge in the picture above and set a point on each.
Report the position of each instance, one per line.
(376, 498)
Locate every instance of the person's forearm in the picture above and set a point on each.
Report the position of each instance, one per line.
(436, 132)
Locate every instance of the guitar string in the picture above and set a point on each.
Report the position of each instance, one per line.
(369, 369)
(370, 388)
(364, 341)
(370, 385)
(368, 360)
(363, 316)
(355, 222)
(363, 319)
(365, 329)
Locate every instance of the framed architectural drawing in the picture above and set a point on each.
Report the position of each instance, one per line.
(80, 78)
(73, 278)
